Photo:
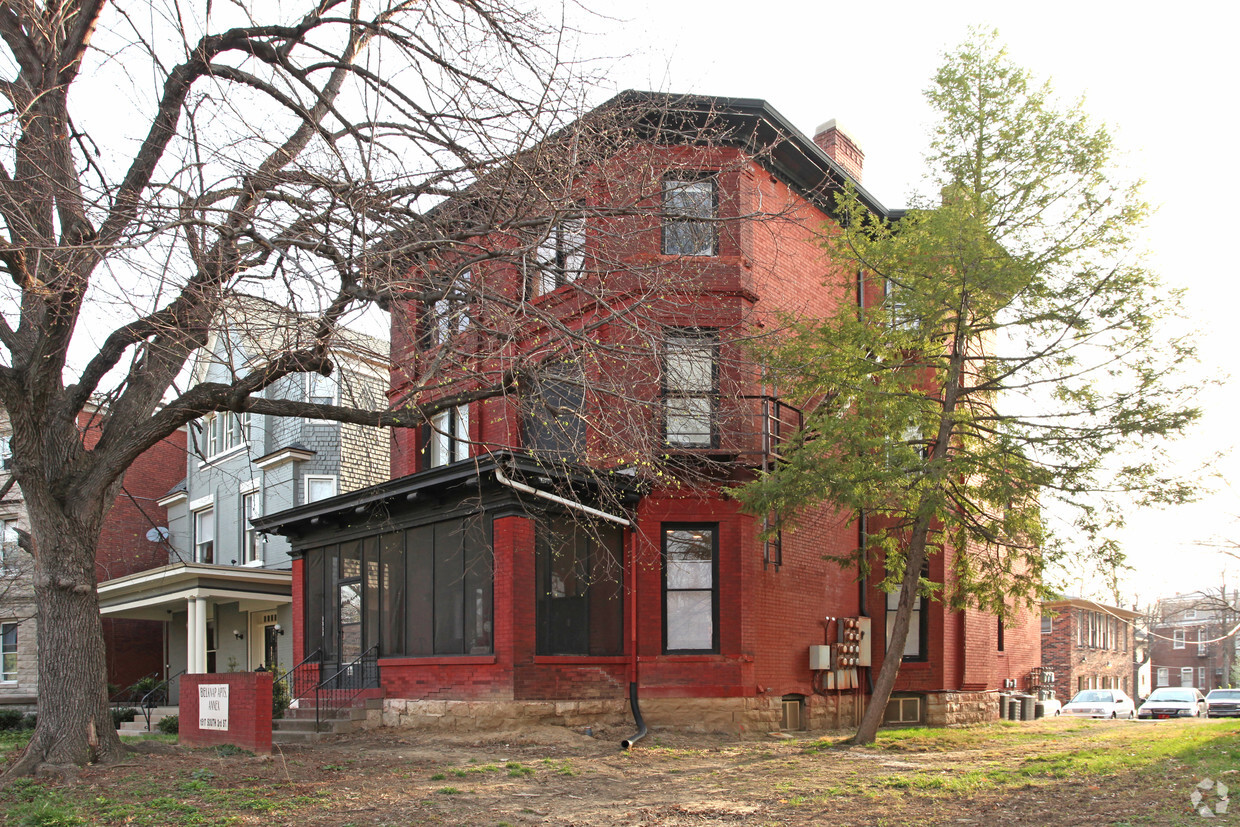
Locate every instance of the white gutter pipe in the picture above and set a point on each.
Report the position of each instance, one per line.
(547, 495)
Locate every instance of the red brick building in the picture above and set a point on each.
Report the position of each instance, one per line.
(1088, 645)
(1193, 639)
(517, 560)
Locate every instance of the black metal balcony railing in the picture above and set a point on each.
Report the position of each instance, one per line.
(751, 428)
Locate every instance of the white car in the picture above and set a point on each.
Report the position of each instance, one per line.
(1173, 702)
(1051, 707)
(1099, 703)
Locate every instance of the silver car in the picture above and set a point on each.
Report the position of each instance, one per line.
(1099, 703)
(1173, 702)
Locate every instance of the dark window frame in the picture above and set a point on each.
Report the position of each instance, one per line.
(921, 606)
(712, 395)
(664, 529)
(672, 220)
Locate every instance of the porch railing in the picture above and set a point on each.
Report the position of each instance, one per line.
(303, 678)
(158, 696)
(339, 691)
(750, 428)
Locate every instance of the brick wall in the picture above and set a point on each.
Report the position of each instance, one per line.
(1067, 652)
(249, 711)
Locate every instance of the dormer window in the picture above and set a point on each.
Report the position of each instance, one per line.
(690, 208)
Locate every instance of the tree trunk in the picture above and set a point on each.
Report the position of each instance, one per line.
(886, 680)
(75, 724)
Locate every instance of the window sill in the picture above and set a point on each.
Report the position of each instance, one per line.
(440, 660)
(568, 660)
(687, 657)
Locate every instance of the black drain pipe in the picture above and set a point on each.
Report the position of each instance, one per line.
(637, 719)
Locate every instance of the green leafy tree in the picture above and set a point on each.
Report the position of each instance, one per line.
(1013, 352)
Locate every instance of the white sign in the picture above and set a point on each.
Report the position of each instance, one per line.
(213, 706)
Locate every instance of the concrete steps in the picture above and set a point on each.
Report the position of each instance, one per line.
(138, 725)
(298, 725)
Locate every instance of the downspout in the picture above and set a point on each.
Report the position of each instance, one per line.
(594, 512)
(555, 498)
(863, 540)
(627, 743)
(863, 534)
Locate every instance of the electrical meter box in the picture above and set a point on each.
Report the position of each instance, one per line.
(820, 657)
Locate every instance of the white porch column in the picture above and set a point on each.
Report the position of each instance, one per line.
(200, 637)
(191, 637)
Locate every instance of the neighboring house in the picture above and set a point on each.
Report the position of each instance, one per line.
(1193, 639)
(126, 544)
(1089, 645)
(223, 590)
(491, 571)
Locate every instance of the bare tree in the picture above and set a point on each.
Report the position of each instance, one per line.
(354, 154)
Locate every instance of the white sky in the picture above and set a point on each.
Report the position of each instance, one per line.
(1162, 77)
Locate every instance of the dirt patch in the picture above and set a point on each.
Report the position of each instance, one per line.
(562, 777)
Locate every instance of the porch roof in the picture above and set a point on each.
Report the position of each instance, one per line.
(155, 593)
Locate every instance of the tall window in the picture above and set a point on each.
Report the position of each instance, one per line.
(691, 381)
(6, 453)
(1164, 676)
(690, 588)
(1201, 641)
(8, 545)
(1177, 638)
(225, 432)
(448, 437)
(1047, 625)
(8, 652)
(1201, 677)
(578, 575)
(449, 315)
(559, 259)
(553, 408)
(999, 641)
(690, 207)
(251, 508)
(1186, 676)
(204, 536)
(915, 645)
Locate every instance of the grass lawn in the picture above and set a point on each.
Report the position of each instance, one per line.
(1054, 772)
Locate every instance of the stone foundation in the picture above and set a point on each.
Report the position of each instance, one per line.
(726, 715)
(961, 708)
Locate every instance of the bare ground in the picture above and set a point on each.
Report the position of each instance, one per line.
(1045, 773)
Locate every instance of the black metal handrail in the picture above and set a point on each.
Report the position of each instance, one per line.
(159, 691)
(302, 679)
(338, 691)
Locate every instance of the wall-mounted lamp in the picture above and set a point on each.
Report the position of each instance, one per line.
(279, 630)
(238, 635)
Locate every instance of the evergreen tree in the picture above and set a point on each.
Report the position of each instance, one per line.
(1014, 351)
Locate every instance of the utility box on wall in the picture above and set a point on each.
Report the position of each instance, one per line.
(229, 708)
(820, 658)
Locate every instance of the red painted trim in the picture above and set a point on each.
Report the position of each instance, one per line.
(581, 659)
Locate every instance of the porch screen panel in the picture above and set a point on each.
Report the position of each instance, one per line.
(449, 589)
(478, 589)
(312, 565)
(370, 586)
(392, 589)
(331, 611)
(606, 590)
(420, 590)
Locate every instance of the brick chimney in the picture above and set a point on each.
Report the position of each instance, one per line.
(841, 147)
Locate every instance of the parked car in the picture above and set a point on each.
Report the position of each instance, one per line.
(1051, 706)
(1223, 703)
(1173, 702)
(1099, 703)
